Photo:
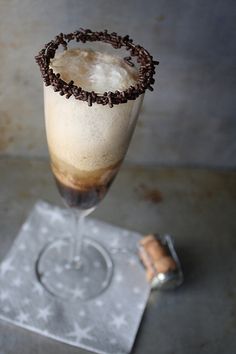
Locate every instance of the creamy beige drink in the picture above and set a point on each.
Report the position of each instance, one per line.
(87, 144)
(92, 101)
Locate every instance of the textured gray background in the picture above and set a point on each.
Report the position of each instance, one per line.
(190, 117)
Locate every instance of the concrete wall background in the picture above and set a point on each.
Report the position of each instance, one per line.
(190, 117)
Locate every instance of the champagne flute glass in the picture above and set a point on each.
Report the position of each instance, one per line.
(92, 100)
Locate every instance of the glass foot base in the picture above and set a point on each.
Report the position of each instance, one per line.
(70, 280)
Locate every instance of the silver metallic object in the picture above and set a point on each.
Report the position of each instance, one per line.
(171, 279)
(158, 255)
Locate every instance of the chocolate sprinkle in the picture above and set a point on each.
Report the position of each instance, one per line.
(128, 61)
(145, 72)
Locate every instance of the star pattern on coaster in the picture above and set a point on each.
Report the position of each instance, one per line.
(119, 278)
(99, 303)
(4, 295)
(86, 280)
(58, 245)
(22, 247)
(17, 282)
(59, 285)
(22, 317)
(55, 217)
(27, 268)
(82, 313)
(25, 301)
(132, 261)
(58, 269)
(26, 227)
(115, 243)
(136, 290)
(118, 306)
(125, 233)
(79, 333)
(113, 341)
(44, 313)
(37, 288)
(44, 230)
(6, 266)
(140, 306)
(77, 293)
(118, 321)
(104, 284)
(95, 230)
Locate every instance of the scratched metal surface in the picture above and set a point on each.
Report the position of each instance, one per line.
(196, 206)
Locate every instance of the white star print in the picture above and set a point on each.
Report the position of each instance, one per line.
(17, 282)
(55, 217)
(95, 230)
(104, 284)
(27, 268)
(22, 247)
(22, 317)
(44, 230)
(86, 279)
(114, 243)
(26, 301)
(118, 306)
(37, 288)
(140, 306)
(4, 295)
(44, 313)
(99, 303)
(25, 227)
(58, 269)
(132, 261)
(59, 286)
(58, 245)
(80, 333)
(6, 266)
(118, 321)
(77, 293)
(82, 313)
(119, 278)
(113, 341)
(109, 265)
(136, 290)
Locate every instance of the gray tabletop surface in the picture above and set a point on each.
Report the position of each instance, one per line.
(197, 207)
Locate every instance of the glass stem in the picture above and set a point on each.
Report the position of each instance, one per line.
(77, 239)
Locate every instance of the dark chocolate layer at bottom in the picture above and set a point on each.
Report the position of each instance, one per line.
(82, 199)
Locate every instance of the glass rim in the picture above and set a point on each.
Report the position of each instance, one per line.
(146, 70)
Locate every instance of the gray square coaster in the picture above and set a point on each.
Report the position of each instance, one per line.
(107, 324)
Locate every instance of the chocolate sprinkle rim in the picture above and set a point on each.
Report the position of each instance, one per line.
(146, 70)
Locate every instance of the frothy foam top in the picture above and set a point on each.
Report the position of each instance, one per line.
(89, 138)
(94, 71)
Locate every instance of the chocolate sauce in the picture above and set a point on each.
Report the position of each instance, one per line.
(82, 199)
